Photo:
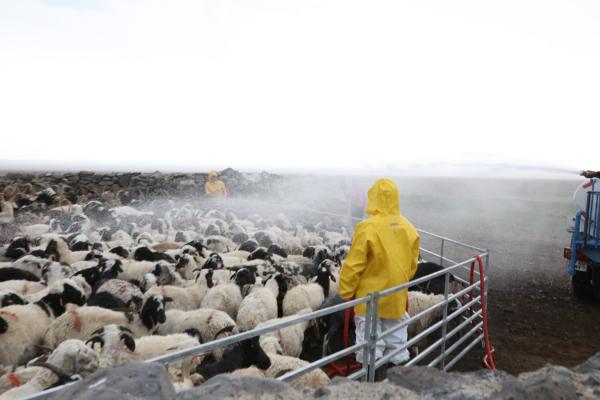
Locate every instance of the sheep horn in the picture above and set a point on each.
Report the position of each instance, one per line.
(43, 349)
(226, 329)
(57, 371)
(93, 340)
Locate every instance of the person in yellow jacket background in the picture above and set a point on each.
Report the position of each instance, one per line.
(214, 187)
(384, 254)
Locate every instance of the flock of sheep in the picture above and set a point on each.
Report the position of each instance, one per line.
(92, 286)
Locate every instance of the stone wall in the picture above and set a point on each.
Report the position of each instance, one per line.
(147, 184)
(150, 381)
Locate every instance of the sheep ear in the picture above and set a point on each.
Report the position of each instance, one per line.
(332, 277)
(129, 341)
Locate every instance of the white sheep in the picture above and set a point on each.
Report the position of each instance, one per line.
(72, 357)
(185, 298)
(23, 287)
(288, 339)
(225, 297)
(260, 304)
(135, 270)
(418, 302)
(281, 365)
(310, 295)
(58, 248)
(212, 324)
(7, 214)
(114, 344)
(18, 377)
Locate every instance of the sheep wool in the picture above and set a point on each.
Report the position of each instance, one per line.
(303, 296)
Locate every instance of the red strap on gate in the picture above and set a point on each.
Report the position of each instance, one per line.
(488, 359)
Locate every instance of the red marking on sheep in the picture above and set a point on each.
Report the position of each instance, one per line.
(76, 320)
(10, 314)
(25, 288)
(13, 379)
(209, 317)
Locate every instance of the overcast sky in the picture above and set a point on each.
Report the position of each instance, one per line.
(300, 84)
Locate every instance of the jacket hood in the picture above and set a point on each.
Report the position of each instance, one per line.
(213, 174)
(384, 198)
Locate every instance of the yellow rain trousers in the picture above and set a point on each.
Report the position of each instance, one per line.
(384, 253)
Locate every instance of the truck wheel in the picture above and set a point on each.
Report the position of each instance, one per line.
(582, 286)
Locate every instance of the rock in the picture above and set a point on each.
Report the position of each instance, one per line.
(548, 383)
(589, 366)
(148, 381)
(433, 382)
(240, 387)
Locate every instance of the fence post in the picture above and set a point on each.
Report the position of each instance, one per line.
(445, 318)
(442, 253)
(485, 274)
(373, 337)
(367, 339)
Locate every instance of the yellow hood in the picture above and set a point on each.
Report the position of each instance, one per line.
(384, 198)
(212, 174)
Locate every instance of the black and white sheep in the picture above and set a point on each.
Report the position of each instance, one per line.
(228, 296)
(22, 327)
(80, 323)
(262, 303)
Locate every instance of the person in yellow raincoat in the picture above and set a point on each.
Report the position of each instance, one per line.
(384, 254)
(214, 187)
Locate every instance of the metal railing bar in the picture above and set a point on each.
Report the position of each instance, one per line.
(425, 333)
(410, 320)
(460, 341)
(468, 246)
(358, 374)
(48, 392)
(462, 353)
(434, 254)
(425, 352)
(409, 343)
(429, 310)
(408, 284)
(320, 362)
(454, 345)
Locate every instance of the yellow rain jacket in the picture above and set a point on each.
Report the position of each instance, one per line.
(384, 253)
(215, 188)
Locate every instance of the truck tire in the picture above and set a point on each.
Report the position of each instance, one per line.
(582, 286)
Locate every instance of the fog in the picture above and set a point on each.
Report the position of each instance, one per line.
(522, 222)
(331, 86)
